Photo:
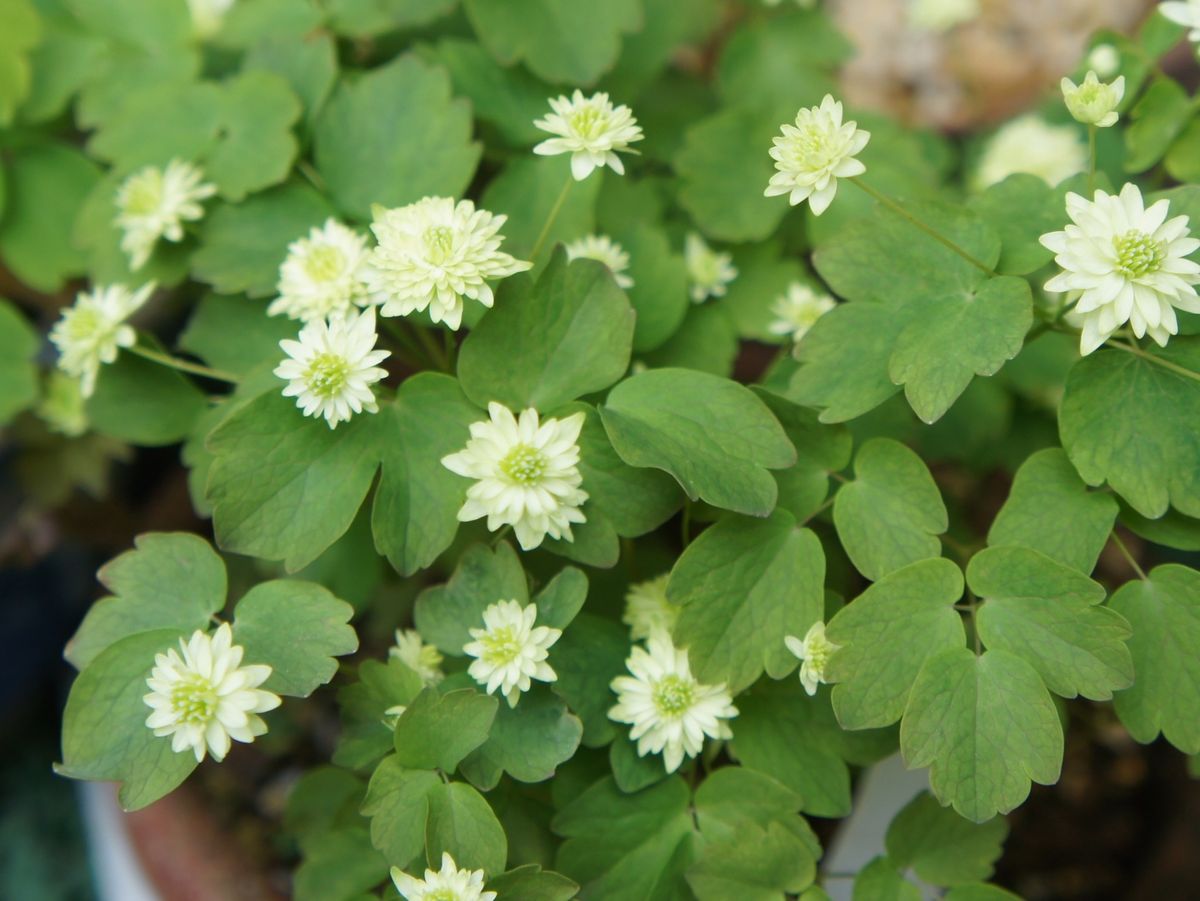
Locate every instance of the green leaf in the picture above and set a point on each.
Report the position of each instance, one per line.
(713, 435)
(549, 342)
(531, 883)
(858, 261)
(880, 881)
(366, 18)
(587, 658)
(46, 187)
(144, 23)
(956, 337)
(844, 360)
(445, 613)
(415, 513)
(22, 32)
(620, 846)
(363, 160)
(257, 147)
(1021, 209)
(507, 98)
(785, 59)
(143, 402)
(1148, 453)
(762, 277)
(308, 63)
(632, 771)
(284, 486)
(1047, 614)
(1164, 612)
(242, 245)
(461, 823)
(528, 741)
(526, 190)
(558, 40)
(886, 635)
(105, 736)
(18, 376)
(297, 628)
(892, 513)
(366, 736)
(659, 293)
(1050, 509)
(595, 543)
(171, 580)
(985, 726)
(235, 334)
(436, 731)
(160, 122)
(562, 598)
(940, 846)
(706, 341)
(1171, 530)
(397, 804)
(820, 450)
(342, 865)
(1155, 121)
(741, 587)
(723, 167)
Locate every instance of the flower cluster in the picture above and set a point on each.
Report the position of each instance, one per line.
(153, 203)
(423, 659)
(605, 250)
(709, 272)
(647, 609)
(814, 650)
(510, 650)
(797, 310)
(1123, 262)
(322, 274)
(592, 130)
(526, 474)
(813, 154)
(90, 333)
(203, 697)
(670, 711)
(1093, 102)
(1030, 144)
(447, 884)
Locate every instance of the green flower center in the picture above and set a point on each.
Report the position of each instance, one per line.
(673, 696)
(812, 148)
(324, 264)
(85, 324)
(327, 373)
(1138, 254)
(194, 700)
(443, 894)
(524, 465)
(819, 653)
(439, 242)
(588, 122)
(501, 646)
(143, 196)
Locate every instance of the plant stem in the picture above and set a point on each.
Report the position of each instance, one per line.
(821, 509)
(182, 365)
(431, 348)
(974, 602)
(554, 211)
(1141, 574)
(401, 334)
(936, 235)
(1092, 159)
(685, 523)
(450, 348)
(1165, 364)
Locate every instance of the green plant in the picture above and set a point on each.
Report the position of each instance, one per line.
(797, 502)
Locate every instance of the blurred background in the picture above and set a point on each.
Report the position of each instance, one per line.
(1124, 822)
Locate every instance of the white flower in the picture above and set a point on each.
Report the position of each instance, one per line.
(1125, 263)
(1105, 59)
(154, 203)
(331, 368)
(815, 650)
(1185, 13)
(510, 650)
(527, 475)
(423, 659)
(320, 275)
(669, 710)
(814, 153)
(797, 310)
(605, 250)
(448, 884)
(647, 609)
(207, 16)
(432, 254)
(90, 332)
(708, 271)
(1030, 144)
(591, 129)
(1093, 102)
(941, 15)
(206, 697)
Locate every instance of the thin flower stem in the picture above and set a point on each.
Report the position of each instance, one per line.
(974, 602)
(450, 346)
(182, 365)
(1092, 160)
(685, 524)
(1141, 574)
(554, 211)
(402, 335)
(1165, 364)
(431, 348)
(821, 509)
(936, 235)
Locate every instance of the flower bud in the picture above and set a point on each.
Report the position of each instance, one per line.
(1094, 102)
